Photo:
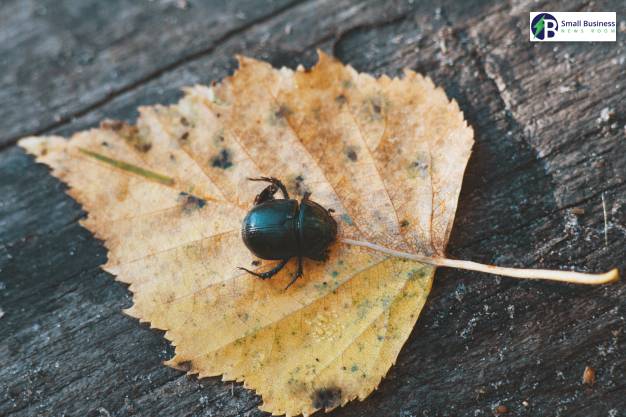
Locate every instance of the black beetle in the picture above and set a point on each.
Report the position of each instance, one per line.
(283, 229)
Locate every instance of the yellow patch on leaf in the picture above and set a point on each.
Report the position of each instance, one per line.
(168, 196)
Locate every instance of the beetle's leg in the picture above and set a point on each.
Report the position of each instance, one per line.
(266, 195)
(298, 273)
(305, 196)
(270, 273)
(278, 185)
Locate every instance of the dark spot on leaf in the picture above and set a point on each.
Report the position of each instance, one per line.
(222, 160)
(105, 143)
(298, 185)
(326, 397)
(184, 121)
(419, 165)
(282, 112)
(129, 133)
(142, 146)
(172, 157)
(374, 106)
(191, 202)
(404, 223)
(184, 136)
(317, 113)
(256, 262)
(351, 154)
(341, 99)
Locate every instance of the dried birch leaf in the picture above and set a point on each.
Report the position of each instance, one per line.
(168, 196)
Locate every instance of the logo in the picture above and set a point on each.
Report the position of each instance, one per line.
(544, 26)
(573, 26)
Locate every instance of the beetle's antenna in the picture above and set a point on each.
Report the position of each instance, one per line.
(549, 274)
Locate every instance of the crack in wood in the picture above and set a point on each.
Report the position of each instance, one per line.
(152, 75)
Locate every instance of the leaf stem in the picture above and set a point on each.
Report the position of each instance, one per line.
(553, 275)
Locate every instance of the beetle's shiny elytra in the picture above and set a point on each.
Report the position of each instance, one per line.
(280, 229)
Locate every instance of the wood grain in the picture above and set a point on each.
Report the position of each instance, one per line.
(532, 196)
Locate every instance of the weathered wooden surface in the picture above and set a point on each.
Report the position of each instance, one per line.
(543, 162)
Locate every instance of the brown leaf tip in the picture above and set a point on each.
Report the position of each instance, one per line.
(184, 366)
(326, 398)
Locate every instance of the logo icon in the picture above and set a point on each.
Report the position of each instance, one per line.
(544, 26)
